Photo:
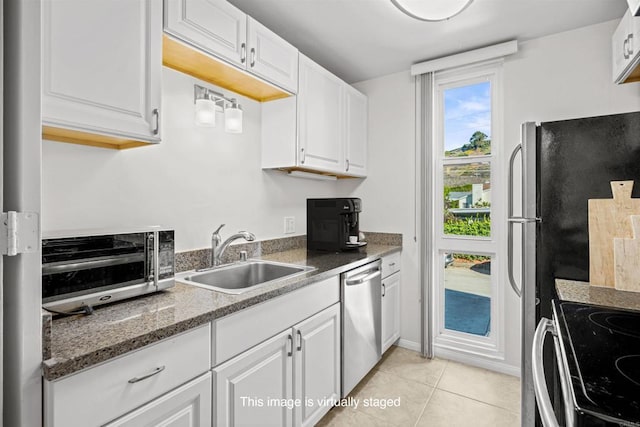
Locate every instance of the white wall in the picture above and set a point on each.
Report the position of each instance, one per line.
(196, 179)
(562, 76)
(388, 193)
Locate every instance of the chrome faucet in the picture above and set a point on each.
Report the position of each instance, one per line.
(218, 247)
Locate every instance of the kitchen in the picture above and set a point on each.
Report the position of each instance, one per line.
(209, 177)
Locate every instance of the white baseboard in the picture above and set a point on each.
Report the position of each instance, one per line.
(474, 360)
(409, 345)
(467, 359)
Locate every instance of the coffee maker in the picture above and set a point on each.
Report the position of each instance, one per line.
(333, 224)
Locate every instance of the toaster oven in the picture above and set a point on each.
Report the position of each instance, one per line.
(84, 269)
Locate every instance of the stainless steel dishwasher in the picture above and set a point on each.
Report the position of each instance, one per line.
(361, 323)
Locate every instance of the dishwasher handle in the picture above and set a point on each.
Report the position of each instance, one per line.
(363, 277)
(545, 407)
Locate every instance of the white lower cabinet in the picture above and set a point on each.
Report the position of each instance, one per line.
(390, 299)
(187, 406)
(247, 385)
(129, 383)
(390, 310)
(316, 366)
(287, 380)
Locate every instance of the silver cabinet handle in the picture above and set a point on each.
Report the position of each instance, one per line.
(539, 383)
(156, 113)
(253, 57)
(362, 278)
(392, 264)
(625, 48)
(149, 375)
(347, 165)
(630, 45)
(303, 155)
(510, 256)
(299, 348)
(290, 342)
(243, 53)
(384, 290)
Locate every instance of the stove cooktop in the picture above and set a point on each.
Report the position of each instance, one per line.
(602, 348)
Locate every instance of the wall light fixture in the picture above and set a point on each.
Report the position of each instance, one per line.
(208, 102)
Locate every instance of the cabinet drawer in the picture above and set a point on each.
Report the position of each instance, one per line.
(188, 405)
(390, 264)
(240, 331)
(98, 395)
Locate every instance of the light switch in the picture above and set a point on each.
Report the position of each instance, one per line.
(289, 224)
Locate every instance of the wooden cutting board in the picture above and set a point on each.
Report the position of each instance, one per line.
(609, 219)
(626, 255)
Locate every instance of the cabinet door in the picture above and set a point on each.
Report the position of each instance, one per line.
(355, 132)
(320, 136)
(620, 45)
(102, 61)
(390, 310)
(215, 26)
(186, 406)
(317, 365)
(251, 388)
(271, 57)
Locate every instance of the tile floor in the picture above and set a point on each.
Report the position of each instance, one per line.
(431, 393)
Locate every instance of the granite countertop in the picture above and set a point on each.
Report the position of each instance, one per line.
(583, 292)
(79, 342)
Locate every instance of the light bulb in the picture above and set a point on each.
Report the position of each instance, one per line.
(233, 118)
(205, 112)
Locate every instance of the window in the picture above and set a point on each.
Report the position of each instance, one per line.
(467, 209)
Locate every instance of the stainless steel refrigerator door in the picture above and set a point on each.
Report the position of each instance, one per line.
(361, 323)
(526, 290)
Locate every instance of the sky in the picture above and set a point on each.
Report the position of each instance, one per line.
(466, 109)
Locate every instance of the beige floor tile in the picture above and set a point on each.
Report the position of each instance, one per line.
(410, 365)
(451, 410)
(409, 398)
(483, 385)
(349, 417)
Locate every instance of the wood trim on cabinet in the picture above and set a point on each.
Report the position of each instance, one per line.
(634, 76)
(309, 170)
(188, 60)
(91, 139)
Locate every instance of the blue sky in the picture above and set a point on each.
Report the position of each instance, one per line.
(466, 110)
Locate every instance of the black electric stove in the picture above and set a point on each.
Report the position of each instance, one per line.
(601, 347)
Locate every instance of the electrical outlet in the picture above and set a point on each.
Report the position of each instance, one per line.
(289, 224)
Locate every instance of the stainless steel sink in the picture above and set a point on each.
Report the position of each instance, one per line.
(243, 276)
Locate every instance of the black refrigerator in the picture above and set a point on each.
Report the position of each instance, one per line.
(564, 164)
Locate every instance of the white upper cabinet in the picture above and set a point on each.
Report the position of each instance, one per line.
(355, 132)
(215, 26)
(322, 130)
(320, 118)
(101, 67)
(224, 31)
(625, 45)
(271, 57)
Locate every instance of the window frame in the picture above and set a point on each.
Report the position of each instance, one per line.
(494, 245)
